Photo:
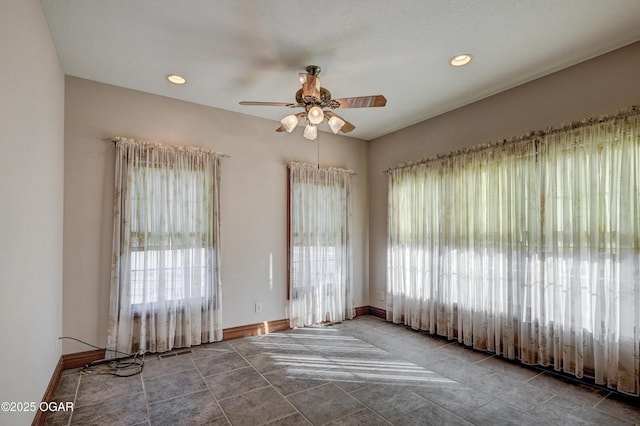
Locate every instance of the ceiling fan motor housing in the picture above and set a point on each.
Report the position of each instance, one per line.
(325, 96)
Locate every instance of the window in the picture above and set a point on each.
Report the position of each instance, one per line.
(528, 249)
(320, 263)
(165, 273)
(168, 256)
(153, 270)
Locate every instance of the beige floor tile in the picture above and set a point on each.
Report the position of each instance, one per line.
(256, 407)
(169, 386)
(191, 409)
(325, 403)
(235, 382)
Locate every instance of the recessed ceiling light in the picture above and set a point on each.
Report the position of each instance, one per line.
(176, 79)
(460, 60)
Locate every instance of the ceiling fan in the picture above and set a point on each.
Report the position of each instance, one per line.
(314, 99)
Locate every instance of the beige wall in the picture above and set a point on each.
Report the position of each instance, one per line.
(600, 86)
(31, 194)
(253, 199)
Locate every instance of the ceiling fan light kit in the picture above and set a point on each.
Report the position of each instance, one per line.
(290, 122)
(310, 132)
(315, 115)
(314, 99)
(335, 124)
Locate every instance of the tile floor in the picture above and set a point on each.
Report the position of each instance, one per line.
(361, 372)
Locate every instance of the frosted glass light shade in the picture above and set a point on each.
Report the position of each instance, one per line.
(335, 124)
(310, 132)
(289, 122)
(315, 115)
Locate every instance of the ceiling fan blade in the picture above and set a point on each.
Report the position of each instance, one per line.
(310, 85)
(347, 127)
(361, 102)
(281, 129)
(284, 104)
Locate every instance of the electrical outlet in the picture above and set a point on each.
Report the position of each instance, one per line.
(381, 295)
(258, 307)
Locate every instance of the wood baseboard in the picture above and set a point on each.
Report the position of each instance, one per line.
(371, 310)
(80, 359)
(363, 310)
(378, 312)
(255, 329)
(48, 394)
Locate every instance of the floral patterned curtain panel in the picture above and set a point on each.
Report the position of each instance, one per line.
(165, 275)
(528, 248)
(321, 265)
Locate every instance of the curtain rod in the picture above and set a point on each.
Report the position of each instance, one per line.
(625, 113)
(317, 167)
(115, 139)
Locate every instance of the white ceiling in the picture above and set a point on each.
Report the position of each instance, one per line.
(234, 50)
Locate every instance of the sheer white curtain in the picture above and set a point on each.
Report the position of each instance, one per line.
(320, 263)
(165, 275)
(529, 249)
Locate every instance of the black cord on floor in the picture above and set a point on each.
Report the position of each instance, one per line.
(94, 346)
(126, 366)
